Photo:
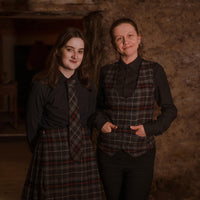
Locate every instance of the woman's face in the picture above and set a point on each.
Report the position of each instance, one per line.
(71, 55)
(126, 41)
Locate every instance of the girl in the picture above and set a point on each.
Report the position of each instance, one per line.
(60, 106)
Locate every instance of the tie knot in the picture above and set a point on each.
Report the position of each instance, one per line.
(71, 82)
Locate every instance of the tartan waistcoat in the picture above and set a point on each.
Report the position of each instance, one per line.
(127, 111)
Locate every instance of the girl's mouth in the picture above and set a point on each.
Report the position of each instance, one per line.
(73, 61)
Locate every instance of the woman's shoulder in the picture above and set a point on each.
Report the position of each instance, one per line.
(107, 67)
(148, 62)
(157, 68)
(155, 65)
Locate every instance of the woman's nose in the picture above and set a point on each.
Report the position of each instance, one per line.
(124, 40)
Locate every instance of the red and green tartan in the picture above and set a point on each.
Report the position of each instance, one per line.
(128, 111)
(53, 175)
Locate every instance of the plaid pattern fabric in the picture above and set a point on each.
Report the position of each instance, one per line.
(53, 175)
(75, 136)
(125, 112)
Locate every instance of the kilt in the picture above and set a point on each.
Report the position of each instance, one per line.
(54, 175)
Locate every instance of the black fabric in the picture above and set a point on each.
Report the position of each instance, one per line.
(48, 108)
(125, 177)
(125, 83)
(162, 94)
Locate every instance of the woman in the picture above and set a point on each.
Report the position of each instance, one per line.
(125, 103)
(61, 103)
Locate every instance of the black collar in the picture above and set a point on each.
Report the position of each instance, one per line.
(62, 78)
(131, 66)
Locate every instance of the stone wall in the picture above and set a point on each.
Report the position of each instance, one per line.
(170, 34)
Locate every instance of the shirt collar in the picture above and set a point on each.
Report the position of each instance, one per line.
(132, 66)
(62, 78)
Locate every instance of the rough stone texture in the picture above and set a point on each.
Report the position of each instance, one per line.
(170, 32)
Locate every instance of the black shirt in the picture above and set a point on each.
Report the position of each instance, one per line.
(48, 108)
(126, 82)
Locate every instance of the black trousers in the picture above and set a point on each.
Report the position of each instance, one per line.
(125, 177)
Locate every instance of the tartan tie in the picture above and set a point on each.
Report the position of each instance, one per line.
(75, 129)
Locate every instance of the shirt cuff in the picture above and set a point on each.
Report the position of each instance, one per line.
(100, 121)
(150, 129)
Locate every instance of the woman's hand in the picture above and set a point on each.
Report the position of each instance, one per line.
(139, 130)
(108, 127)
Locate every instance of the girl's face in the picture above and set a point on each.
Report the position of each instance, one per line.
(126, 41)
(71, 56)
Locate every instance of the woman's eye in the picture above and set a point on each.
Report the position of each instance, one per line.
(119, 38)
(68, 49)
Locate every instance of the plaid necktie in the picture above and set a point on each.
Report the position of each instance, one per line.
(75, 129)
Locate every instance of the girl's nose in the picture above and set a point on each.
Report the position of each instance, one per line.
(75, 55)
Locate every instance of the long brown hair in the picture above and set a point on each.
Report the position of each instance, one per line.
(51, 73)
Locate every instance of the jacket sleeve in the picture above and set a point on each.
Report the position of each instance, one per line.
(35, 107)
(165, 102)
(100, 117)
(91, 106)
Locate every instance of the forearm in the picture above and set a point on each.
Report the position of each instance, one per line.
(163, 122)
(32, 126)
(34, 114)
(100, 119)
(165, 102)
(100, 116)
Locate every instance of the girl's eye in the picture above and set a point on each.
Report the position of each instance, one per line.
(81, 51)
(68, 49)
(130, 35)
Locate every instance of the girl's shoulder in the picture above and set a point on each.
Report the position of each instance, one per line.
(40, 87)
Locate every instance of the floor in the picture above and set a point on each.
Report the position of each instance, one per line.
(15, 157)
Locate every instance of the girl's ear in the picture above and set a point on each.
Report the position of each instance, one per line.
(57, 52)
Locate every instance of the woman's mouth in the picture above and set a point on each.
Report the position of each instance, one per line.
(126, 47)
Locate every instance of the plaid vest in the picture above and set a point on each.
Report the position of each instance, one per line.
(124, 112)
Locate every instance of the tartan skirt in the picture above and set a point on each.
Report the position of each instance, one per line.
(54, 175)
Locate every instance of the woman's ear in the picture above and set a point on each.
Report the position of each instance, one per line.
(113, 44)
(139, 38)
